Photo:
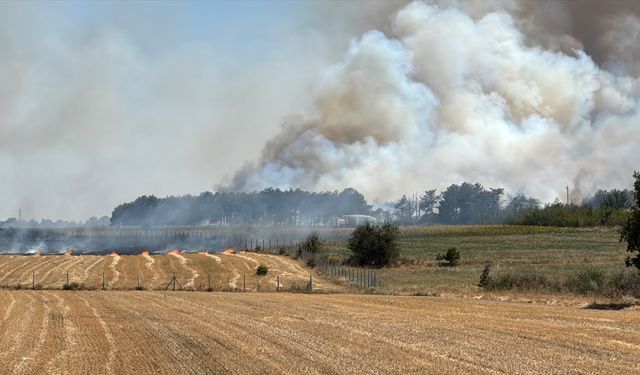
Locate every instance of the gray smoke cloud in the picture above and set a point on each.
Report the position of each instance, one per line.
(513, 94)
(388, 97)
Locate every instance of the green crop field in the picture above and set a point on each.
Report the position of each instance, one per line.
(554, 252)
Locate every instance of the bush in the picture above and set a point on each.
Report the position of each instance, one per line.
(374, 245)
(626, 282)
(590, 280)
(262, 270)
(450, 259)
(485, 277)
(311, 262)
(526, 281)
(73, 286)
(311, 244)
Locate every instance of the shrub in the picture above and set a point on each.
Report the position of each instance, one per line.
(590, 280)
(375, 245)
(521, 281)
(73, 286)
(485, 277)
(311, 244)
(282, 251)
(450, 259)
(626, 282)
(311, 262)
(262, 270)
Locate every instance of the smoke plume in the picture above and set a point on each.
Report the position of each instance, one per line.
(505, 93)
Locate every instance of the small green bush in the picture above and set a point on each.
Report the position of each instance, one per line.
(450, 259)
(262, 270)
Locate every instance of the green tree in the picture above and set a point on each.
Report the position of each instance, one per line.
(404, 210)
(630, 232)
(428, 204)
(374, 245)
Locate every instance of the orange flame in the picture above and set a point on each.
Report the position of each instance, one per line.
(229, 251)
(37, 253)
(114, 254)
(175, 252)
(67, 253)
(145, 253)
(203, 252)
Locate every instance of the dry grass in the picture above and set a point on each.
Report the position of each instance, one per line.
(111, 332)
(552, 252)
(228, 272)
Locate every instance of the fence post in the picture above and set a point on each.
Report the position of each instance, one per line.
(138, 280)
(33, 280)
(209, 281)
(278, 283)
(244, 282)
(174, 281)
(310, 284)
(103, 284)
(67, 277)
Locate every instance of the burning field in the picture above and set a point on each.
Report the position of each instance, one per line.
(174, 333)
(193, 271)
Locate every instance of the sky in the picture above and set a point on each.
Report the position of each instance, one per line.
(104, 101)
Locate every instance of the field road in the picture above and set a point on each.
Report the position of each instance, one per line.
(151, 332)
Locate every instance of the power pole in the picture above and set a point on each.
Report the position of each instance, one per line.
(19, 215)
(567, 194)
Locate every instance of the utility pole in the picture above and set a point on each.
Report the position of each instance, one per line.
(19, 215)
(567, 194)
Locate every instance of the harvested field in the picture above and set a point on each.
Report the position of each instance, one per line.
(169, 333)
(228, 272)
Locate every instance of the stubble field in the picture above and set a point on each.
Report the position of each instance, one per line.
(151, 332)
(194, 271)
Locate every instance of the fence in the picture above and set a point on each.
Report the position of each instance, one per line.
(362, 277)
(220, 282)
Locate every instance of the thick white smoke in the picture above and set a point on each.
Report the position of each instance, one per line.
(445, 97)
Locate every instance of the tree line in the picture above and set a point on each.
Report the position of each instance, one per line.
(467, 203)
(267, 207)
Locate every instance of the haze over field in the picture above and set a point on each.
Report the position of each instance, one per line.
(103, 102)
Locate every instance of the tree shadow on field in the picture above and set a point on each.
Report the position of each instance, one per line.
(608, 306)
